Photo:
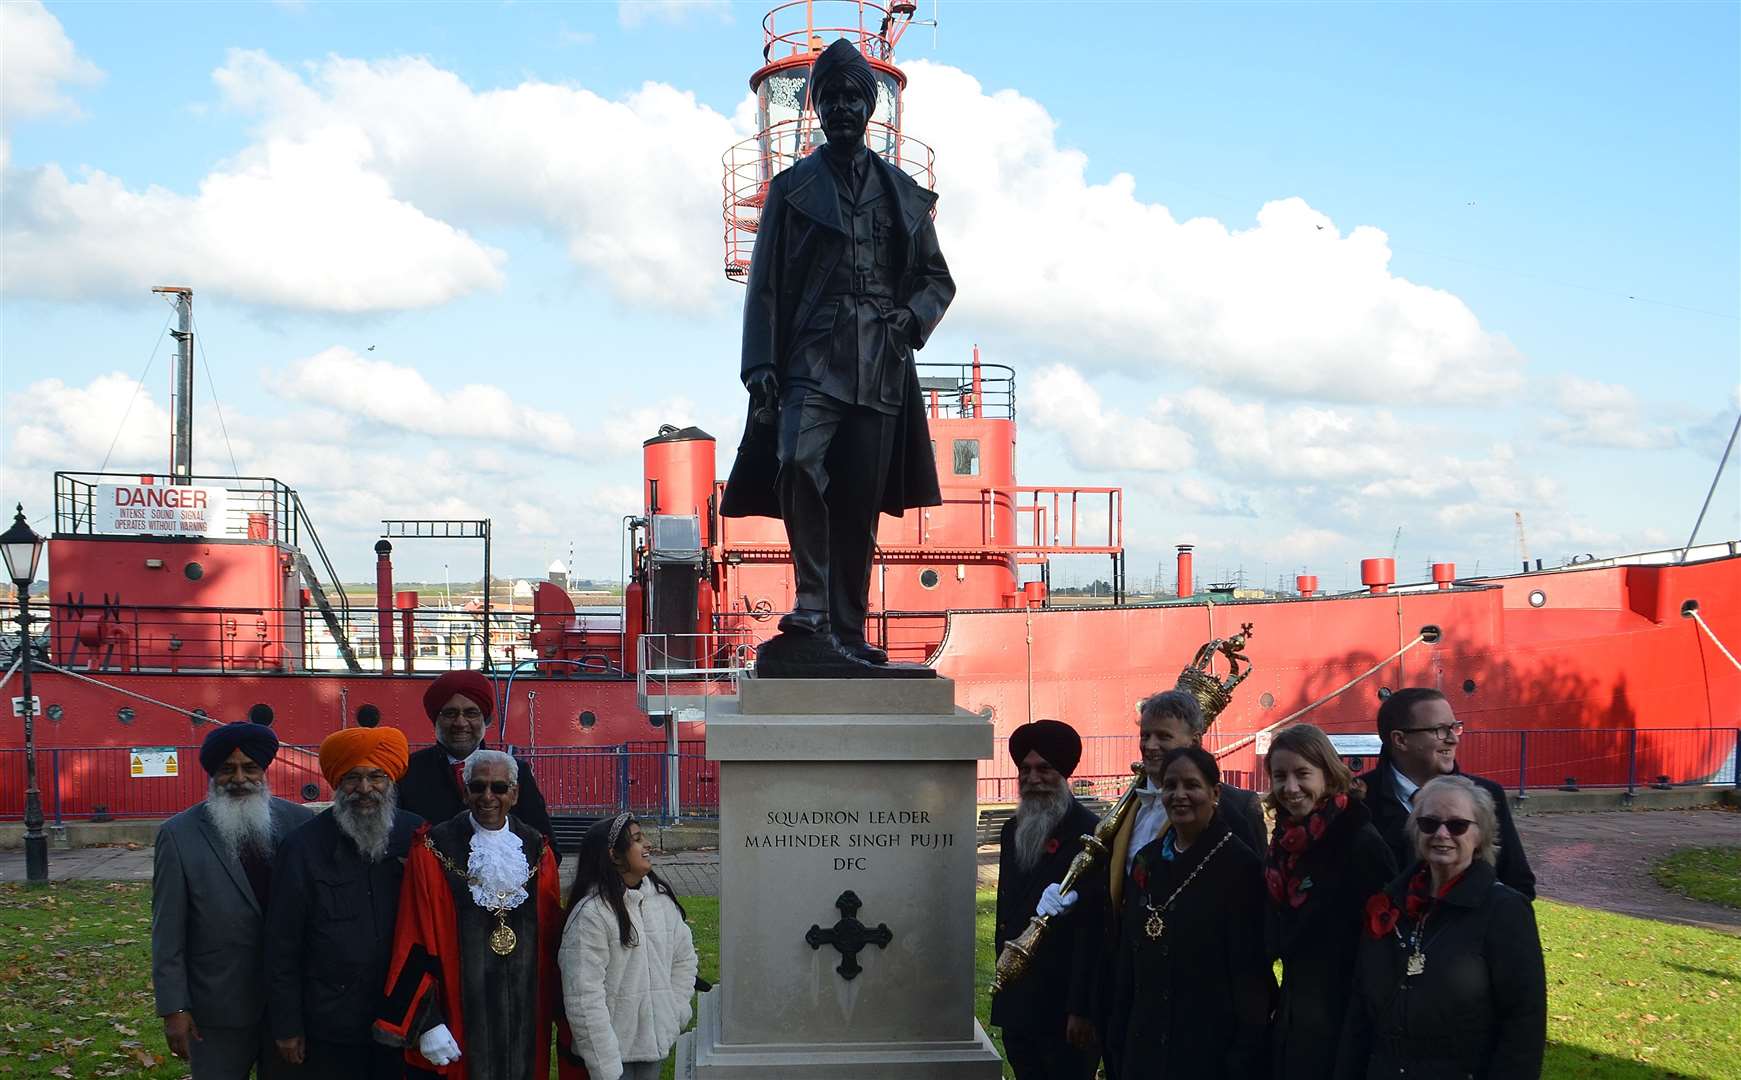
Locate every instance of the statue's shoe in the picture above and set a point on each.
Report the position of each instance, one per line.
(816, 656)
(864, 650)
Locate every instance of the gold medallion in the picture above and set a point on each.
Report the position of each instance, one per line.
(502, 940)
(1417, 962)
(1154, 927)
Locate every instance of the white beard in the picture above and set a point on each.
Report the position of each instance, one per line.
(1036, 817)
(243, 822)
(368, 829)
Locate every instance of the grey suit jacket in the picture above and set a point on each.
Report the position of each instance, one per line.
(207, 929)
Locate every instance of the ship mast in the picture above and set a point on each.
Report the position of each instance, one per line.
(181, 394)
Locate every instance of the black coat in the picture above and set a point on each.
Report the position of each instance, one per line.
(1244, 813)
(799, 240)
(329, 931)
(1316, 943)
(1478, 1009)
(1040, 1002)
(429, 790)
(1194, 1004)
(1391, 821)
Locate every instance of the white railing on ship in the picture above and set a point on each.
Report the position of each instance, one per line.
(680, 676)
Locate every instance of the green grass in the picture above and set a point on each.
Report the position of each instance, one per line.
(1628, 999)
(1711, 874)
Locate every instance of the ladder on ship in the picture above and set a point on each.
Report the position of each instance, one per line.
(334, 624)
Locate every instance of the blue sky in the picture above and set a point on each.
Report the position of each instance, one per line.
(1556, 328)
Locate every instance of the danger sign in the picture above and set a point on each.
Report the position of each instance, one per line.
(154, 761)
(158, 510)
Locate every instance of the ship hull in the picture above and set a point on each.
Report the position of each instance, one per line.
(1607, 653)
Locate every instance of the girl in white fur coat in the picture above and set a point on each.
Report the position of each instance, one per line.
(628, 959)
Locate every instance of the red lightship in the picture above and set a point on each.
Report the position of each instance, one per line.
(181, 600)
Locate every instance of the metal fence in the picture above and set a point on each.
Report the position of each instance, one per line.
(655, 780)
(107, 782)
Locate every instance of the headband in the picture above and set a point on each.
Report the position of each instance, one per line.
(617, 825)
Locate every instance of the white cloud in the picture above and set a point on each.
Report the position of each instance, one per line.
(632, 14)
(1593, 413)
(1098, 438)
(36, 59)
(292, 224)
(364, 183)
(1289, 304)
(629, 187)
(1298, 442)
(397, 396)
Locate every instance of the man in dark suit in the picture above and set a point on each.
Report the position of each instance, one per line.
(460, 704)
(1046, 1035)
(335, 896)
(1420, 733)
(211, 881)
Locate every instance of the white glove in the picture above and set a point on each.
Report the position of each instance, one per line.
(437, 1046)
(1052, 902)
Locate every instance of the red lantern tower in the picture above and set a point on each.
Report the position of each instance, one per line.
(793, 35)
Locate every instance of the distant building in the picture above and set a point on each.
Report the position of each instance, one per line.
(559, 575)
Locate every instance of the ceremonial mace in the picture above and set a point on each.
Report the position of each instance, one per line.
(1213, 694)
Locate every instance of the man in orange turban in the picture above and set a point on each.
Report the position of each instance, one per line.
(335, 896)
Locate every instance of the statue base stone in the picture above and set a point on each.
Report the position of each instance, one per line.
(847, 871)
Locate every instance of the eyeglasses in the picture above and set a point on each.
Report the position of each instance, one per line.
(1443, 731)
(376, 778)
(1429, 826)
(478, 787)
(473, 713)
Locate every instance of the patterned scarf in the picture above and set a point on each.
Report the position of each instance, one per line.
(1288, 847)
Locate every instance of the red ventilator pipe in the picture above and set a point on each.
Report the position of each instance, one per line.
(1444, 573)
(1187, 585)
(1378, 575)
(1307, 584)
(384, 602)
(406, 602)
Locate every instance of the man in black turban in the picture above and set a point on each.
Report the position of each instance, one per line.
(1045, 1033)
(845, 282)
(211, 877)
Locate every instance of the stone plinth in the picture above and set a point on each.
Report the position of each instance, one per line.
(828, 787)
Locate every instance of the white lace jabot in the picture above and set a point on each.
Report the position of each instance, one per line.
(498, 868)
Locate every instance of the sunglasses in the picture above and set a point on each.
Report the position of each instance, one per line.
(1429, 825)
(455, 714)
(478, 787)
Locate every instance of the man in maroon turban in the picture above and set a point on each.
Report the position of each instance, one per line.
(1045, 1033)
(460, 704)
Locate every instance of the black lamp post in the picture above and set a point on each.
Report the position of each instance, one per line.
(22, 549)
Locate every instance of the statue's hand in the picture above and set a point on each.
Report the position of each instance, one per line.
(762, 384)
(902, 323)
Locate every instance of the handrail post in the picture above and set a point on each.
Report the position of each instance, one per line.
(54, 778)
(1631, 762)
(1736, 760)
(1522, 763)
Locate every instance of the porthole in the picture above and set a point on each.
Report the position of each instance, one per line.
(1537, 598)
(55, 712)
(588, 718)
(928, 578)
(1468, 686)
(1383, 693)
(200, 716)
(657, 719)
(310, 792)
(125, 714)
(1267, 700)
(194, 571)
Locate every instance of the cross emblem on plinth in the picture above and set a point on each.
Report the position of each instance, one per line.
(849, 935)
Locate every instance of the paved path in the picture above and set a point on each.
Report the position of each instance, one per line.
(1599, 860)
(1603, 860)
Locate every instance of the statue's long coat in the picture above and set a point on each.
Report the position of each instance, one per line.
(800, 239)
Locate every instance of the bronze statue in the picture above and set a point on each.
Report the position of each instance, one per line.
(846, 280)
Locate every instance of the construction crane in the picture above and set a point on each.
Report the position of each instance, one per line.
(1522, 544)
(1395, 542)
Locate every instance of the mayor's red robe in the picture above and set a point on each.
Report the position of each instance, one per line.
(424, 980)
